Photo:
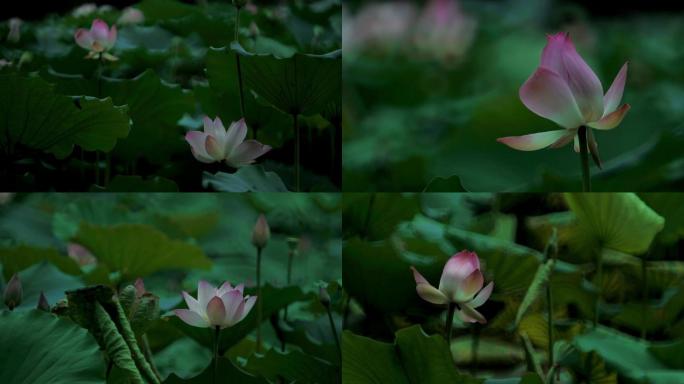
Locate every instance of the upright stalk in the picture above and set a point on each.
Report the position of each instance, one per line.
(297, 150)
(644, 298)
(217, 336)
(289, 276)
(148, 355)
(599, 281)
(239, 67)
(584, 157)
(550, 253)
(450, 321)
(259, 299)
(334, 332)
(474, 346)
(100, 69)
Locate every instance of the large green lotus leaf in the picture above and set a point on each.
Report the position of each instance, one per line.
(671, 207)
(250, 178)
(413, 358)
(18, 258)
(39, 348)
(300, 84)
(138, 250)
(376, 216)
(45, 278)
(274, 299)
(670, 353)
(32, 114)
(154, 107)
(631, 357)
(619, 221)
(227, 372)
(293, 366)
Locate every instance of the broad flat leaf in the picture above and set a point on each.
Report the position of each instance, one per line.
(153, 105)
(620, 221)
(55, 123)
(46, 278)
(227, 371)
(670, 353)
(18, 258)
(536, 288)
(137, 250)
(413, 358)
(631, 357)
(250, 178)
(293, 366)
(40, 348)
(376, 216)
(671, 207)
(300, 84)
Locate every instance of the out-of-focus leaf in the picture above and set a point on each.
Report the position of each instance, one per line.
(137, 250)
(56, 123)
(251, 178)
(37, 347)
(18, 258)
(671, 207)
(538, 284)
(670, 353)
(45, 278)
(375, 216)
(293, 366)
(227, 371)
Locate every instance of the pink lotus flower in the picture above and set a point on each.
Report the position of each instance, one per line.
(131, 15)
(443, 31)
(217, 144)
(216, 307)
(98, 40)
(460, 283)
(566, 91)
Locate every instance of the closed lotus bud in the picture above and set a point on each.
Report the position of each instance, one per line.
(261, 232)
(43, 304)
(323, 296)
(13, 292)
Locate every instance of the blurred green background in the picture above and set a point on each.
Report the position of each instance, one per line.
(424, 112)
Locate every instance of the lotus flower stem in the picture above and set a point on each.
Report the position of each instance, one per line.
(474, 346)
(334, 332)
(216, 338)
(599, 281)
(550, 252)
(644, 296)
(449, 321)
(289, 277)
(148, 355)
(239, 68)
(259, 306)
(298, 185)
(584, 157)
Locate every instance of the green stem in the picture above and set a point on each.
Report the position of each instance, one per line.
(217, 338)
(550, 253)
(298, 138)
(584, 157)
(148, 355)
(450, 321)
(259, 300)
(599, 283)
(334, 332)
(289, 277)
(474, 346)
(644, 293)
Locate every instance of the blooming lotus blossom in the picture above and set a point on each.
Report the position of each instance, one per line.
(84, 10)
(378, 26)
(443, 31)
(80, 254)
(460, 284)
(98, 40)
(216, 307)
(566, 91)
(217, 144)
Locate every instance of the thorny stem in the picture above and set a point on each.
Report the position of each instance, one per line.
(584, 157)
(259, 299)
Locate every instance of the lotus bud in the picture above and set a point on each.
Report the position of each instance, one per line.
(13, 292)
(43, 303)
(261, 233)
